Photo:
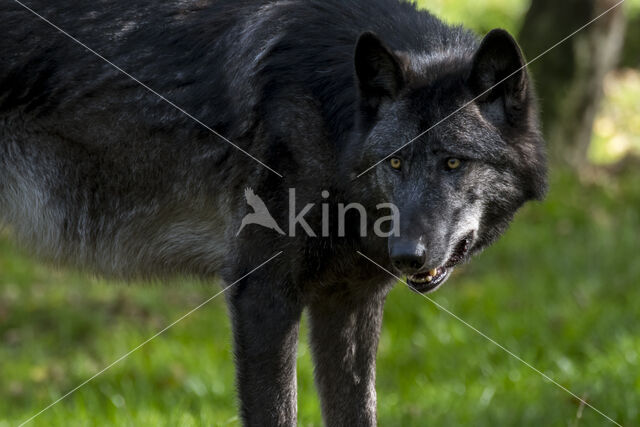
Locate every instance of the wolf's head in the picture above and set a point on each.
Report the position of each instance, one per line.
(457, 186)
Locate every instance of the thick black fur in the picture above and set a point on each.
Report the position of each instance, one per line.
(97, 172)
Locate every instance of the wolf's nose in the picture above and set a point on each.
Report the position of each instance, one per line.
(407, 258)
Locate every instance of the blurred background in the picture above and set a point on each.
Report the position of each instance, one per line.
(561, 289)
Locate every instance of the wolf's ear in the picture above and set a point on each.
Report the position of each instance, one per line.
(499, 62)
(378, 70)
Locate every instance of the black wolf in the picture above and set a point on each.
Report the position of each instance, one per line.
(97, 172)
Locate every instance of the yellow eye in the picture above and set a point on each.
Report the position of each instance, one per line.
(453, 163)
(396, 163)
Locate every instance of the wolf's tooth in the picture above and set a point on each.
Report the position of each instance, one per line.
(429, 278)
(433, 273)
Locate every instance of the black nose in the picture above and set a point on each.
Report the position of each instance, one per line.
(407, 257)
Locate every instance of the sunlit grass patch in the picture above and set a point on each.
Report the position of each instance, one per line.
(617, 127)
(481, 16)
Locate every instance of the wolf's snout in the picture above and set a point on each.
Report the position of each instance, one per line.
(407, 256)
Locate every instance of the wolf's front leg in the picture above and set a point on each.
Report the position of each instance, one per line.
(344, 338)
(265, 328)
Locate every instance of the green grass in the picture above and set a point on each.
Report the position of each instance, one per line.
(480, 16)
(617, 127)
(561, 290)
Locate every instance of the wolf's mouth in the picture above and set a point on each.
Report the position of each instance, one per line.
(429, 281)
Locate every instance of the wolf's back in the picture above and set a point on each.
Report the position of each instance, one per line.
(95, 169)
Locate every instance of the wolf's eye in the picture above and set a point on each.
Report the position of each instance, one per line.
(453, 163)
(396, 163)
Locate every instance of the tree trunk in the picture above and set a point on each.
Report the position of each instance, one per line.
(570, 77)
